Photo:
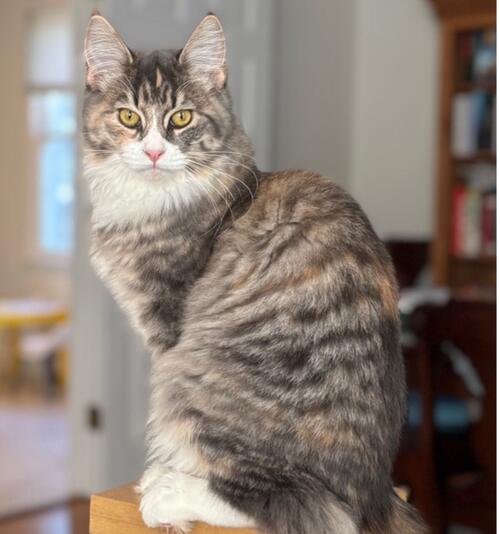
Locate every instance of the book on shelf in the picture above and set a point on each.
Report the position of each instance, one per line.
(473, 113)
(484, 55)
(488, 221)
(473, 127)
(476, 57)
(464, 57)
(473, 224)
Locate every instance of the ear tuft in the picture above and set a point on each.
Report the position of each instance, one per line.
(106, 55)
(205, 51)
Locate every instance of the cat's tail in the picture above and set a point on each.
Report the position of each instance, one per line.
(401, 519)
(307, 513)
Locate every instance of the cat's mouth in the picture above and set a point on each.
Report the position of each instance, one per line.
(156, 169)
(156, 172)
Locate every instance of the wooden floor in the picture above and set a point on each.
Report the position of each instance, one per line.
(34, 467)
(34, 452)
(70, 518)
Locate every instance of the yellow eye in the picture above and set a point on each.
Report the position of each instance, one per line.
(181, 118)
(128, 118)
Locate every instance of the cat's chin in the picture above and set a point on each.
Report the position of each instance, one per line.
(157, 174)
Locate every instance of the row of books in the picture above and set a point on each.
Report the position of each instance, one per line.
(473, 126)
(473, 231)
(476, 56)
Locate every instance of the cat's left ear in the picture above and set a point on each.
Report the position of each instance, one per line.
(205, 52)
(106, 55)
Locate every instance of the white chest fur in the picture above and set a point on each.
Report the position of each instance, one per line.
(120, 194)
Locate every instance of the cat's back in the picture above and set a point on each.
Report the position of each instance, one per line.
(302, 237)
(295, 196)
(302, 221)
(303, 199)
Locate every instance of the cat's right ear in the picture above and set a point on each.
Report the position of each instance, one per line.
(106, 55)
(205, 52)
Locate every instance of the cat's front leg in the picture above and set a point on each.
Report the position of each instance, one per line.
(162, 501)
(171, 498)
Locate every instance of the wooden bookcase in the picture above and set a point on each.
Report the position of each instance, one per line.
(458, 17)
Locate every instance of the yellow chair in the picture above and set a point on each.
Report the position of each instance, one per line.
(16, 314)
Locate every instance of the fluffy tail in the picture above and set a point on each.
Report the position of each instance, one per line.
(402, 519)
(324, 514)
(307, 513)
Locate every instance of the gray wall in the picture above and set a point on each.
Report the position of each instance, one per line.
(315, 46)
(395, 108)
(356, 98)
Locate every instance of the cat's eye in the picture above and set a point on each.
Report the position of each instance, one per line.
(181, 118)
(128, 118)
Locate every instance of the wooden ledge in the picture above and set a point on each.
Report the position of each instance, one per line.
(116, 511)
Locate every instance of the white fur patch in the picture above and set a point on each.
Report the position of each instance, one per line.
(176, 499)
(125, 188)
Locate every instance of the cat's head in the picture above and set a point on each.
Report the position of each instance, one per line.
(159, 130)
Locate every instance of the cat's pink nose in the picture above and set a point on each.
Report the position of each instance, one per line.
(154, 155)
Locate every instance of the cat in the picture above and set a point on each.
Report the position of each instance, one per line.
(266, 299)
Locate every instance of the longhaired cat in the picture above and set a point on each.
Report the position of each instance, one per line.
(266, 299)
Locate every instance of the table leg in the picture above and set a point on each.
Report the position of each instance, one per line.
(14, 354)
(62, 367)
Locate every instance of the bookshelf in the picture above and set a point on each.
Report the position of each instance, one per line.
(463, 252)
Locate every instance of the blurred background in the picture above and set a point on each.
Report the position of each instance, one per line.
(395, 100)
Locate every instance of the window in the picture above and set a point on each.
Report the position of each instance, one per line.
(51, 102)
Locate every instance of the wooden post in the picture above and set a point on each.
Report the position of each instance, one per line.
(117, 512)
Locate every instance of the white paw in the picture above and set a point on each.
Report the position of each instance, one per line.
(173, 499)
(164, 504)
